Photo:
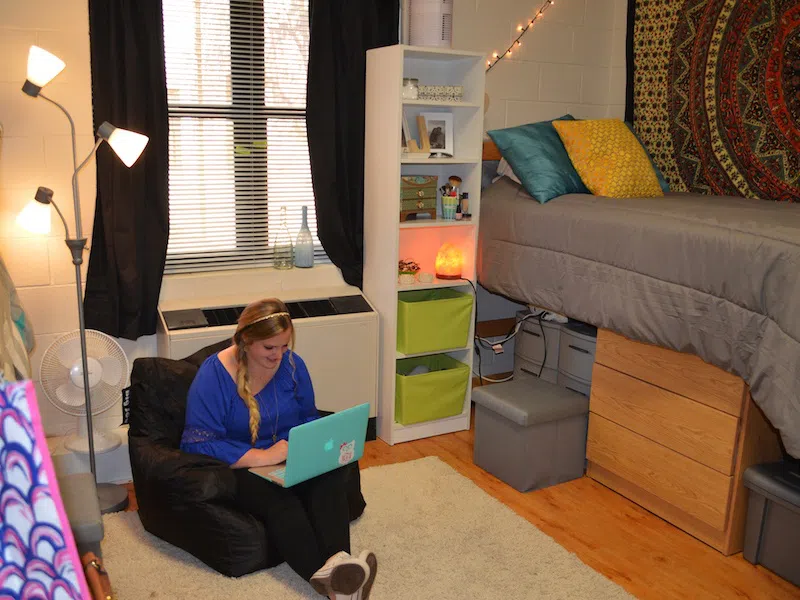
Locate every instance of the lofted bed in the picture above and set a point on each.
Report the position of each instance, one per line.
(666, 280)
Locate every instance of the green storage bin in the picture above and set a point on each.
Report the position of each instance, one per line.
(437, 394)
(432, 320)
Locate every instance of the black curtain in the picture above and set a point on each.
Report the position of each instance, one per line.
(131, 224)
(629, 79)
(341, 33)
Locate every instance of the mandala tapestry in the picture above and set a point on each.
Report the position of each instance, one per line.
(716, 93)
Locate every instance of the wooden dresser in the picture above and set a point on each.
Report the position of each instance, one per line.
(675, 434)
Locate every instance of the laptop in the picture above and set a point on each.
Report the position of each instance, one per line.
(320, 446)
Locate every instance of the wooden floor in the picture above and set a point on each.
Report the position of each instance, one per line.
(647, 556)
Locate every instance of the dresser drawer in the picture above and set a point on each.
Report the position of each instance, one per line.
(684, 374)
(530, 343)
(692, 429)
(669, 480)
(576, 355)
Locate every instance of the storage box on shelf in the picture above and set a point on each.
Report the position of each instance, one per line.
(418, 197)
(442, 385)
(675, 435)
(433, 320)
(409, 405)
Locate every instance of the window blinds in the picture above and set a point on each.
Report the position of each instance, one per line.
(236, 85)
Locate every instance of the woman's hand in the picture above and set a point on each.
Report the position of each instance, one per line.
(259, 457)
(277, 452)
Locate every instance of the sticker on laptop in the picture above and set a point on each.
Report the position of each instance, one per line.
(346, 452)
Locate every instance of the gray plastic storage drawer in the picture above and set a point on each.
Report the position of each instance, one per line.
(525, 368)
(772, 533)
(574, 384)
(530, 341)
(576, 354)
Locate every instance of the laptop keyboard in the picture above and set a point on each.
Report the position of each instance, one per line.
(279, 472)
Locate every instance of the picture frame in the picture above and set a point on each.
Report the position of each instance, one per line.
(439, 127)
(405, 135)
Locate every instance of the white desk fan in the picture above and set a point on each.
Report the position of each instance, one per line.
(61, 376)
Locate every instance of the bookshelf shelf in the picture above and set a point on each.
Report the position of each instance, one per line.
(435, 223)
(441, 104)
(414, 160)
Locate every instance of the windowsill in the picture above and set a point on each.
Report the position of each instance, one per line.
(232, 288)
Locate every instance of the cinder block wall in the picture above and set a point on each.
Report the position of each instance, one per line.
(573, 60)
(36, 150)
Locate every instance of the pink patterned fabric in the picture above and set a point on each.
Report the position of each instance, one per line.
(38, 556)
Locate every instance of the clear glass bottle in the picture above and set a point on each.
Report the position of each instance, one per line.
(304, 245)
(282, 250)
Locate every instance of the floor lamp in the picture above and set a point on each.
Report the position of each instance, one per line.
(128, 146)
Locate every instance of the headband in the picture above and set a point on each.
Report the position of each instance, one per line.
(270, 316)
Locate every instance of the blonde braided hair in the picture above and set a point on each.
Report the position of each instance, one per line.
(260, 320)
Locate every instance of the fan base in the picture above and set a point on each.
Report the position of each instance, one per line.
(113, 497)
(104, 441)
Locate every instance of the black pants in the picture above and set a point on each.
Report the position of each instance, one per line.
(308, 523)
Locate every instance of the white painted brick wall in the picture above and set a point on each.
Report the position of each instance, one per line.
(573, 60)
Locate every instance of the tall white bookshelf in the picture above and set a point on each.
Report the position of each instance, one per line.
(386, 239)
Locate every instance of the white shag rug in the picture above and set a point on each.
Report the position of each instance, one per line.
(437, 536)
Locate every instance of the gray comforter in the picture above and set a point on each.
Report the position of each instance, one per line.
(714, 276)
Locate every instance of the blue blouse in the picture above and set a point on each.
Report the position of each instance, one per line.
(217, 420)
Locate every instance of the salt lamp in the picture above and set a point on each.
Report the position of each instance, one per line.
(449, 261)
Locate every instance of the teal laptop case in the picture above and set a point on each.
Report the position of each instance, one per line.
(325, 444)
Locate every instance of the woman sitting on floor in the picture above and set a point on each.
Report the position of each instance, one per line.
(241, 406)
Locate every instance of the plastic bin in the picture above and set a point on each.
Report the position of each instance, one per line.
(432, 320)
(437, 394)
(772, 533)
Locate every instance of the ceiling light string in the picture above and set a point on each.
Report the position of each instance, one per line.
(523, 29)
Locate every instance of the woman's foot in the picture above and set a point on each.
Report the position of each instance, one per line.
(372, 562)
(341, 577)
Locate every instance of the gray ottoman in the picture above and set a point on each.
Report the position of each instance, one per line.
(530, 433)
(79, 494)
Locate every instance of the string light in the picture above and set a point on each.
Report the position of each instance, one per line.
(523, 30)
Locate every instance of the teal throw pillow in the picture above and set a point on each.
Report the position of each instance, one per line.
(539, 159)
(659, 175)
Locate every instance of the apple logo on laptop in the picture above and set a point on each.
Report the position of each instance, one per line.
(329, 445)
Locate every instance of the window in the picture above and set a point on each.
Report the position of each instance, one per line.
(236, 90)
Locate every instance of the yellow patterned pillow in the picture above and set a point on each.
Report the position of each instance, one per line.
(609, 159)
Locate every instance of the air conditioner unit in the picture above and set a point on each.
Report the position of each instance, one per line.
(336, 335)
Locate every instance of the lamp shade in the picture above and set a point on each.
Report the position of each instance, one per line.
(449, 261)
(128, 145)
(43, 66)
(35, 217)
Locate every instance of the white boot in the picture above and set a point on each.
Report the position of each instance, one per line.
(341, 577)
(372, 562)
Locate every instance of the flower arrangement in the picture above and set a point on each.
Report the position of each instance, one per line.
(408, 273)
(407, 267)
